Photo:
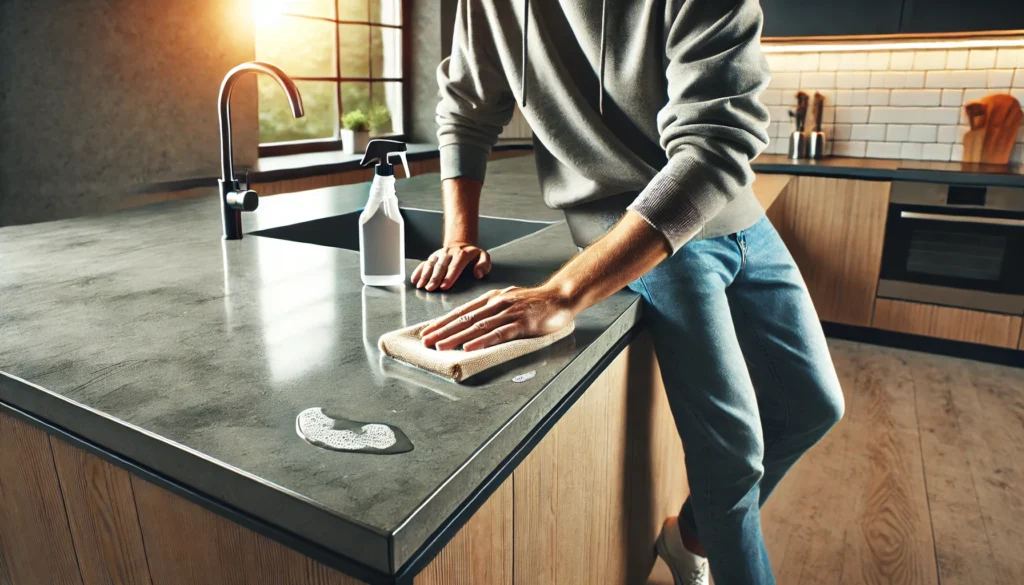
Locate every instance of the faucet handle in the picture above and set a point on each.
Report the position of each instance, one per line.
(243, 200)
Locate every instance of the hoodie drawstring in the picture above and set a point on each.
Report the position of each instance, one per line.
(601, 64)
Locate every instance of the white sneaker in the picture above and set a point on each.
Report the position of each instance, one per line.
(687, 568)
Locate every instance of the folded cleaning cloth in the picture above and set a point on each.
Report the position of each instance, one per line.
(455, 364)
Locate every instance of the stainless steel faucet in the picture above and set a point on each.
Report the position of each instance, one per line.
(233, 198)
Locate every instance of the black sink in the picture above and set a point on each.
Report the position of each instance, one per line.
(423, 231)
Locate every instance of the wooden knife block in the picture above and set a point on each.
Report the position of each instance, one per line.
(995, 121)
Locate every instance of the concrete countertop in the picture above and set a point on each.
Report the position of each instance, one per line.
(894, 170)
(145, 334)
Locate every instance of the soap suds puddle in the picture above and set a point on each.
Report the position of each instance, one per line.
(342, 434)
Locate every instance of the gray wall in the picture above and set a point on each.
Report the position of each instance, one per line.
(433, 23)
(99, 99)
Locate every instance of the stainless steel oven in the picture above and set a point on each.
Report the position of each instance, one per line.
(955, 245)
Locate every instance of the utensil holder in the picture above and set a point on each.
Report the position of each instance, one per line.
(816, 145)
(797, 145)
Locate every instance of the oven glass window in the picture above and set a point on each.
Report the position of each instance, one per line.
(956, 254)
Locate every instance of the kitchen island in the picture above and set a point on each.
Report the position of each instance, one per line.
(148, 366)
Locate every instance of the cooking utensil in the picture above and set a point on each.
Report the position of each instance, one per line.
(816, 143)
(801, 109)
(797, 140)
(995, 121)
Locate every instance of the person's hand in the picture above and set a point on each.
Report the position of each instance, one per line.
(444, 266)
(500, 316)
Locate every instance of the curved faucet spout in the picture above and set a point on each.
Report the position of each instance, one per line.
(294, 99)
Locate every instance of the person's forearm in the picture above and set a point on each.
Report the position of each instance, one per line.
(461, 198)
(624, 254)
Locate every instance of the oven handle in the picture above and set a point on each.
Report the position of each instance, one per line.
(962, 218)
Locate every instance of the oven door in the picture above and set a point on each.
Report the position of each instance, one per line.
(969, 258)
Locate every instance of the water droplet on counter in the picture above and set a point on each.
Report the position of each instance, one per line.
(524, 377)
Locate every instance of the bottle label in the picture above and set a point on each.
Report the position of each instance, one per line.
(382, 248)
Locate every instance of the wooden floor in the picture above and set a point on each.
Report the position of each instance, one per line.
(921, 483)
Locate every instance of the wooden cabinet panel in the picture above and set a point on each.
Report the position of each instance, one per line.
(948, 323)
(104, 523)
(834, 228)
(481, 552)
(589, 500)
(35, 540)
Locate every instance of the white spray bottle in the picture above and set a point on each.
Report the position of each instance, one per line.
(381, 228)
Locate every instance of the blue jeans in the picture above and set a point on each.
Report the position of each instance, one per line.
(749, 379)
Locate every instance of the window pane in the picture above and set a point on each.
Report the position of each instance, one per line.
(301, 46)
(355, 10)
(320, 101)
(324, 8)
(386, 11)
(355, 96)
(354, 50)
(386, 48)
(389, 95)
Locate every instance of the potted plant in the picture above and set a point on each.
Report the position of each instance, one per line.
(380, 119)
(355, 133)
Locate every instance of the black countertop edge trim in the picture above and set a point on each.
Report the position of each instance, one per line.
(875, 174)
(297, 172)
(314, 551)
(448, 529)
(961, 349)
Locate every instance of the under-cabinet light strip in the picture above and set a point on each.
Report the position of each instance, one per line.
(785, 47)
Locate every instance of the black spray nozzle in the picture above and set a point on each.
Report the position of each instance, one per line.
(377, 152)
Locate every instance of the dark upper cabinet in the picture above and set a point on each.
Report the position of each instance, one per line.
(938, 16)
(799, 18)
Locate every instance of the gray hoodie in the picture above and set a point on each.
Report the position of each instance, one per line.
(650, 105)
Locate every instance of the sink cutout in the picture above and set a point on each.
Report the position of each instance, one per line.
(424, 231)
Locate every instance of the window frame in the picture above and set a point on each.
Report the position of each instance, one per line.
(329, 144)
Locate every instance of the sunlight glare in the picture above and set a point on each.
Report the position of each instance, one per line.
(268, 12)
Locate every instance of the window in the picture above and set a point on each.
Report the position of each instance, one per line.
(344, 55)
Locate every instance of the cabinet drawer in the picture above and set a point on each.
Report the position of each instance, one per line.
(948, 323)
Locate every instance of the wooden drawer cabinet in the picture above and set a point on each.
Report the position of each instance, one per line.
(834, 228)
(948, 323)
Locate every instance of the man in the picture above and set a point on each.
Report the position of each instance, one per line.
(646, 115)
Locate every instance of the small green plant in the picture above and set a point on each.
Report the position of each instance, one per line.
(356, 120)
(379, 117)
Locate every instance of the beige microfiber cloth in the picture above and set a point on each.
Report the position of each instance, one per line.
(455, 364)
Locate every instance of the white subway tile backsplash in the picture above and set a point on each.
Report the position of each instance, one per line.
(883, 150)
(818, 80)
(915, 97)
(853, 80)
(849, 148)
(878, 60)
(929, 60)
(957, 59)
(923, 133)
(901, 60)
(851, 115)
(937, 151)
(946, 134)
(878, 97)
(853, 61)
(958, 153)
(771, 97)
(911, 150)
(784, 81)
(868, 132)
(1000, 78)
(1009, 58)
(952, 97)
(897, 132)
(892, 104)
(981, 59)
(914, 80)
(828, 62)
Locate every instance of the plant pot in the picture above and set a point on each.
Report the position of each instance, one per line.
(354, 141)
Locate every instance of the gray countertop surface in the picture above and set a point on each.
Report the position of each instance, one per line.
(145, 334)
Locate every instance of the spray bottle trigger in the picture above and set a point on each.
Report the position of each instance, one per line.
(405, 162)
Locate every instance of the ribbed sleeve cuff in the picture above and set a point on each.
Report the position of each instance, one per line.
(680, 200)
(463, 160)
